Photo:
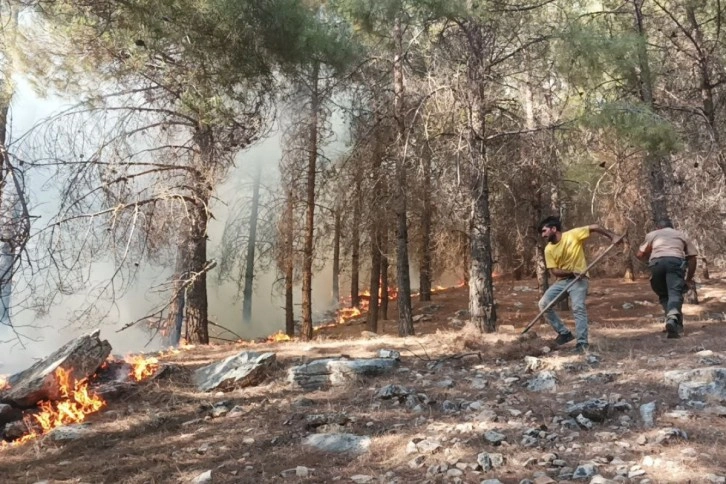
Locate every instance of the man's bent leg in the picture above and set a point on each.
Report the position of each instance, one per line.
(578, 295)
(550, 315)
(658, 282)
(675, 280)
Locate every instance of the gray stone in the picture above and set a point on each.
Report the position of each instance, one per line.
(596, 410)
(491, 481)
(80, 357)
(393, 354)
(428, 446)
(584, 422)
(545, 381)
(585, 471)
(203, 478)
(647, 414)
(715, 479)
(449, 407)
(489, 461)
(628, 306)
(338, 443)
(361, 478)
(670, 434)
(446, 383)
(326, 372)
(495, 438)
(241, 370)
(699, 383)
(533, 363)
(70, 432)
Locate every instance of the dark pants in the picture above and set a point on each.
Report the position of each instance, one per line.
(668, 280)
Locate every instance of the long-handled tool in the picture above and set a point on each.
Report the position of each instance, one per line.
(577, 278)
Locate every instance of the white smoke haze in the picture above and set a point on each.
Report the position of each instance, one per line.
(45, 333)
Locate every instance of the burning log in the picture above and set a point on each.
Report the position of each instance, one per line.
(82, 356)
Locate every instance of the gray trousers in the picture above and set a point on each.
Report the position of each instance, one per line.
(578, 294)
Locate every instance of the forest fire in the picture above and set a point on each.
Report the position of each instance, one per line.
(142, 367)
(348, 313)
(75, 404)
(4, 382)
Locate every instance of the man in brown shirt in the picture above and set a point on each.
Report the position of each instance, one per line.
(672, 261)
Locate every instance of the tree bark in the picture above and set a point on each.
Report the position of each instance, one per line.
(289, 263)
(384, 273)
(481, 287)
(373, 304)
(306, 332)
(251, 244)
(336, 258)
(425, 267)
(403, 278)
(355, 242)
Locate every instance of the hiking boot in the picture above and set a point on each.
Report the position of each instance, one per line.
(581, 348)
(563, 338)
(671, 328)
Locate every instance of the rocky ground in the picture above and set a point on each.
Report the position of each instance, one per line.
(449, 405)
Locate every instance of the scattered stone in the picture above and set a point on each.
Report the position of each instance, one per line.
(427, 446)
(641, 440)
(544, 480)
(489, 461)
(417, 462)
(479, 384)
(203, 478)
(238, 371)
(487, 416)
(647, 414)
(454, 473)
(628, 306)
(391, 391)
(70, 432)
(584, 471)
(491, 481)
(584, 422)
(449, 407)
(669, 435)
(495, 438)
(361, 478)
(446, 383)
(338, 443)
(596, 410)
(326, 372)
(533, 363)
(699, 383)
(545, 381)
(715, 479)
(393, 354)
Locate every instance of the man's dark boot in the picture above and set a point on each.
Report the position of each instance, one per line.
(564, 338)
(671, 325)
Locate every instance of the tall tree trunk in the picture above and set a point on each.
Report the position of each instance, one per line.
(403, 278)
(7, 215)
(355, 241)
(251, 245)
(657, 165)
(377, 209)
(426, 215)
(288, 227)
(373, 302)
(481, 287)
(336, 258)
(384, 273)
(306, 332)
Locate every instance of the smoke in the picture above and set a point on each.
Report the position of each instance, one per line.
(42, 334)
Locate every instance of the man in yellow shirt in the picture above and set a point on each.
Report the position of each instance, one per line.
(565, 259)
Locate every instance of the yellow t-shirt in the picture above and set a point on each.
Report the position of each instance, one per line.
(568, 254)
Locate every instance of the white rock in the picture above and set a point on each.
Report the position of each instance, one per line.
(203, 478)
(647, 413)
(361, 478)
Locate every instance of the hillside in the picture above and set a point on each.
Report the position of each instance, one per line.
(465, 407)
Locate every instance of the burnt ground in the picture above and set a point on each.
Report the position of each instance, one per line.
(161, 430)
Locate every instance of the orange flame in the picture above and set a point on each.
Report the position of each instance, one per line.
(347, 313)
(142, 367)
(4, 382)
(278, 337)
(75, 404)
